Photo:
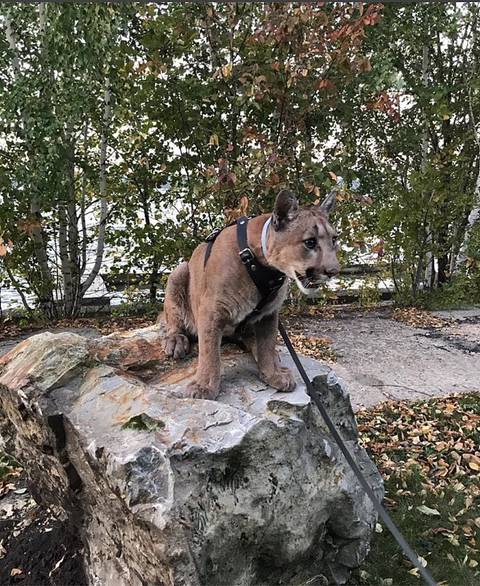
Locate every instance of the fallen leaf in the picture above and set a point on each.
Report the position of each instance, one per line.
(364, 575)
(474, 463)
(453, 540)
(440, 530)
(427, 510)
(16, 572)
(213, 140)
(414, 572)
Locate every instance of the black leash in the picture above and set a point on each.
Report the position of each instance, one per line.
(268, 281)
(407, 550)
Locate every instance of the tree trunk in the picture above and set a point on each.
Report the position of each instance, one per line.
(474, 215)
(153, 283)
(65, 261)
(17, 287)
(429, 261)
(72, 225)
(153, 279)
(83, 197)
(103, 190)
(46, 287)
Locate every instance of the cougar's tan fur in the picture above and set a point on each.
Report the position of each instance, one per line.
(211, 301)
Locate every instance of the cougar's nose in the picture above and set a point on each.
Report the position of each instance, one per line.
(332, 271)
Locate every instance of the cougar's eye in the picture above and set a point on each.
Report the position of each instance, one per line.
(310, 243)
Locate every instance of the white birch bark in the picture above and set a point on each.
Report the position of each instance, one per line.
(103, 190)
(423, 260)
(83, 219)
(474, 215)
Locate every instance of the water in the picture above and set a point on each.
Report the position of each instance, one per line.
(10, 299)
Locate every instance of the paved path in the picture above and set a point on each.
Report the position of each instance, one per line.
(380, 358)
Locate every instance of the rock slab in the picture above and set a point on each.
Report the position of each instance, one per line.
(248, 490)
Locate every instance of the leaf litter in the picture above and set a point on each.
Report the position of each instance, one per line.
(418, 318)
(428, 454)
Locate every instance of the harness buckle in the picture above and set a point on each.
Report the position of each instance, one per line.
(246, 255)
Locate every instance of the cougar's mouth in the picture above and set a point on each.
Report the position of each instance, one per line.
(308, 285)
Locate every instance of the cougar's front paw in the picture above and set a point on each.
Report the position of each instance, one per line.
(176, 345)
(281, 379)
(195, 390)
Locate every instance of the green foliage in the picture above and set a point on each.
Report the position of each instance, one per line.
(211, 103)
(55, 61)
(137, 302)
(415, 145)
(23, 317)
(137, 307)
(369, 293)
(462, 291)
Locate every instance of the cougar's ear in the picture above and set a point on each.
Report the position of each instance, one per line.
(328, 203)
(285, 210)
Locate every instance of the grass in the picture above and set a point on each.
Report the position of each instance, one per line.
(429, 455)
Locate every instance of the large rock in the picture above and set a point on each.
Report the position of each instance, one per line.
(246, 490)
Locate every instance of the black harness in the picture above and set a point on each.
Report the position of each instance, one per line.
(267, 280)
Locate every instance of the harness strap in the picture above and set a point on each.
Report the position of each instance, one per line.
(210, 239)
(267, 279)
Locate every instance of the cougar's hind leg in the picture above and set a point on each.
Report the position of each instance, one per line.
(176, 311)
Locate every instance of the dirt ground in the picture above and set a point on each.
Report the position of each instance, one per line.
(36, 547)
(44, 553)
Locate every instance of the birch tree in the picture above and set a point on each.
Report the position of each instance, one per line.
(413, 146)
(473, 81)
(56, 113)
(37, 234)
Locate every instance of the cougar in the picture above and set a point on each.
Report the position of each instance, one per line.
(209, 299)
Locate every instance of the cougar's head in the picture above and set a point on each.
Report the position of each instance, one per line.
(302, 244)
